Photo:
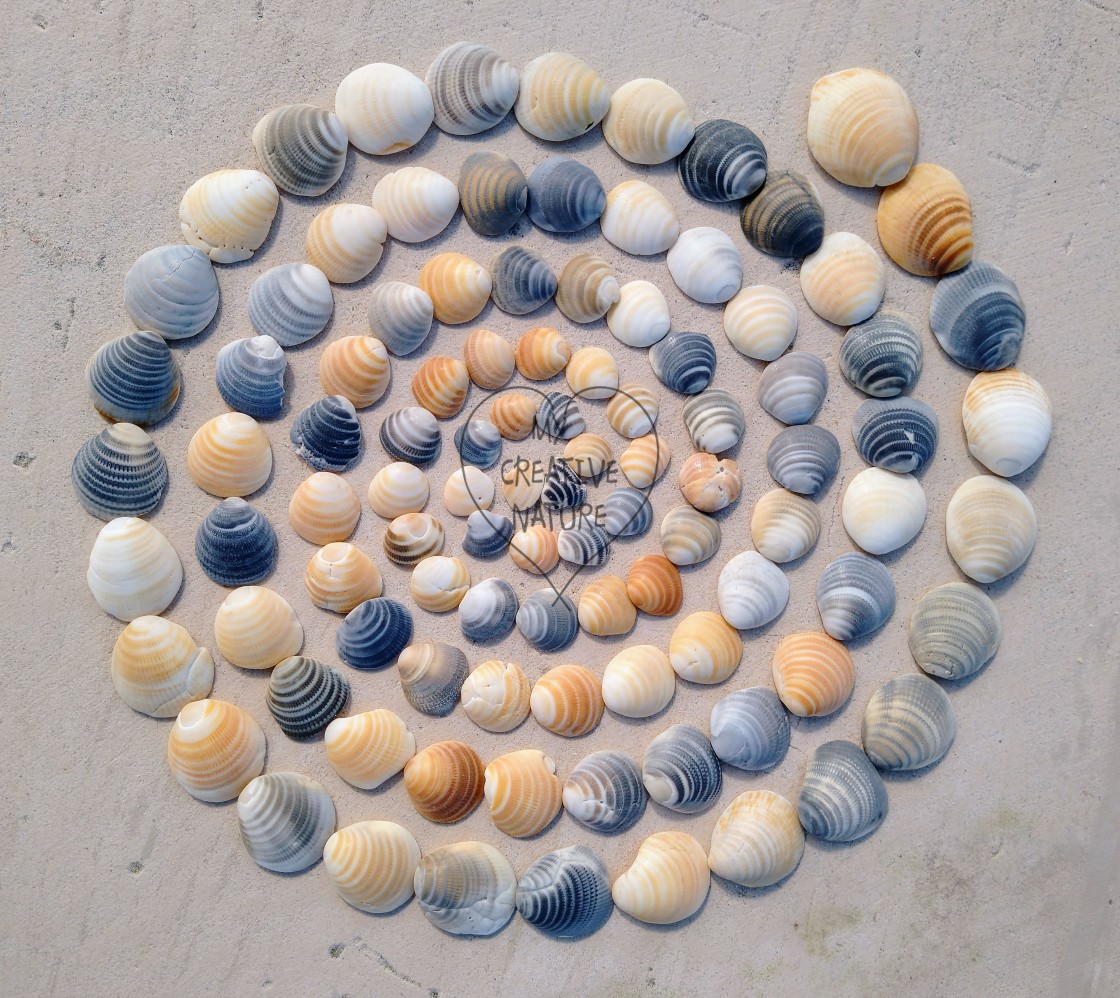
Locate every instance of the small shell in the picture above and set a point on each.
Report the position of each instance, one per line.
(895, 434)
(784, 216)
(757, 840)
(627, 513)
(324, 508)
(250, 376)
(371, 864)
(925, 222)
(793, 387)
(564, 195)
(487, 534)
(882, 510)
(561, 97)
(522, 483)
(133, 569)
(567, 700)
(689, 537)
(592, 373)
(705, 264)
(523, 280)
(339, 577)
(496, 696)
(725, 161)
(410, 435)
(459, 287)
(374, 633)
(467, 490)
(473, 88)
(227, 214)
(327, 434)
(908, 724)
(487, 612)
(548, 620)
(640, 317)
(416, 203)
(955, 631)
(882, 356)
(632, 410)
(587, 544)
(680, 770)
(605, 792)
(541, 353)
(398, 488)
(367, 749)
(304, 696)
(813, 674)
(714, 420)
(438, 584)
(1007, 420)
(760, 322)
(493, 192)
(357, 368)
(466, 889)
(667, 882)
(978, 317)
(285, 820)
(133, 379)
(563, 488)
(566, 893)
(157, 668)
(489, 359)
(842, 797)
(235, 544)
(684, 362)
(302, 147)
(440, 385)
(639, 219)
(385, 108)
(345, 241)
(605, 609)
(291, 303)
(173, 291)
(990, 528)
(588, 455)
(803, 459)
(523, 792)
(654, 585)
(119, 472)
(749, 729)
(559, 416)
(444, 781)
(855, 596)
(639, 681)
(644, 461)
(705, 648)
(648, 122)
(256, 628)
(432, 673)
(784, 526)
(230, 455)
(751, 591)
(587, 288)
(844, 280)
(215, 749)
(400, 315)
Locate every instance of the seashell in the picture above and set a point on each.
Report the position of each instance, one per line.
(680, 771)
(793, 387)
(466, 889)
(639, 219)
(1007, 421)
(863, 130)
(548, 620)
(705, 648)
(324, 508)
(925, 222)
(444, 781)
(235, 544)
(172, 290)
(522, 279)
(784, 217)
(215, 749)
(398, 488)
(230, 456)
(751, 591)
(895, 434)
(592, 373)
(371, 864)
(256, 628)
(522, 483)
(844, 280)
(760, 322)
(227, 214)
(541, 353)
(291, 303)
(842, 797)
(400, 315)
(714, 420)
(285, 821)
(587, 288)
(250, 376)
(908, 724)
(304, 696)
(639, 681)
(803, 459)
(561, 97)
(467, 490)
(567, 700)
(813, 674)
(640, 317)
(563, 488)
(357, 368)
(705, 264)
(438, 584)
(564, 195)
(157, 668)
(489, 359)
(990, 528)
(882, 510)
(432, 674)
(632, 410)
(667, 882)
(416, 203)
(588, 455)
(604, 608)
(587, 544)
(725, 161)
(644, 461)
(302, 147)
(374, 633)
(648, 122)
(133, 569)
(327, 434)
(133, 379)
(487, 534)
(709, 483)
(523, 792)
(654, 585)
(487, 612)
(369, 748)
(385, 108)
(440, 385)
(955, 631)
(757, 840)
(411, 435)
(459, 287)
(558, 416)
(605, 792)
(627, 513)
(855, 596)
(784, 526)
(345, 241)
(496, 696)
(684, 362)
(339, 577)
(119, 472)
(749, 729)
(882, 356)
(566, 893)
(689, 537)
(473, 88)
(978, 317)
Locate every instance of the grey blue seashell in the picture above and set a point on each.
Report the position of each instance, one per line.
(566, 893)
(291, 303)
(908, 724)
(563, 488)
(855, 596)
(473, 88)
(681, 771)
(478, 442)
(134, 379)
(750, 729)
(466, 889)
(954, 631)
(586, 544)
(172, 290)
(842, 797)
(250, 376)
(285, 821)
(559, 416)
(493, 192)
(488, 611)
(882, 356)
(793, 387)
(432, 674)
(627, 512)
(605, 792)
(119, 472)
(725, 161)
(565, 195)
(304, 696)
(374, 633)
(327, 434)
(487, 533)
(411, 434)
(895, 434)
(235, 544)
(978, 318)
(302, 148)
(684, 362)
(523, 281)
(548, 620)
(784, 217)
(714, 420)
(400, 315)
(803, 459)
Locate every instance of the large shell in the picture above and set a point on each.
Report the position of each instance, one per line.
(304, 696)
(438, 584)
(291, 303)
(230, 455)
(540, 354)
(955, 631)
(589, 456)
(604, 608)
(978, 318)
(559, 416)
(487, 612)
(844, 280)
(157, 668)
(684, 362)
(714, 420)
(369, 748)
(250, 376)
(398, 488)
(339, 577)
(793, 387)
(908, 724)
(803, 459)
(1007, 421)
(416, 203)
(654, 585)
(633, 410)
(285, 821)
(760, 322)
(440, 385)
(882, 356)
(214, 750)
(548, 620)
(895, 434)
(680, 770)
(523, 792)
(563, 488)
(639, 219)
(385, 108)
(496, 695)
(256, 628)
(626, 513)
(374, 633)
(565, 195)
(327, 434)
(842, 797)
(489, 359)
(133, 379)
(355, 367)
(757, 840)
(705, 264)
(648, 122)
(400, 315)
(592, 373)
(561, 97)
(605, 792)
(235, 544)
(990, 527)
(883, 510)
(371, 864)
(689, 537)
(725, 161)
(444, 781)
(568, 700)
(302, 147)
(639, 681)
(133, 569)
(432, 673)
(566, 893)
(751, 591)
(925, 222)
(749, 729)
(855, 596)
(523, 280)
(119, 472)
(812, 673)
(534, 549)
(587, 288)
(467, 490)
(345, 241)
(705, 648)
(784, 216)
(473, 88)
(667, 882)
(459, 287)
(493, 192)
(640, 317)
(227, 214)
(172, 290)
(410, 435)
(324, 508)
(467, 889)
(584, 544)
(487, 534)
(784, 526)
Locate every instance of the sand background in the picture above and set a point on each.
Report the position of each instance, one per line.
(996, 872)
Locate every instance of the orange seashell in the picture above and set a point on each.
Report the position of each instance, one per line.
(339, 577)
(324, 508)
(592, 373)
(459, 287)
(523, 792)
(489, 359)
(654, 585)
(514, 415)
(215, 750)
(925, 222)
(813, 674)
(568, 700)
(355, 367)
(445, 781)
(230, 455)
(588, 455)
(541, 353)
(709, 483)
(705, 648)
(645, 460)
(534, 549)
(496, 696)
(256, 628)
(438, 583)
(440, 386)
(605, 608)
(367, 749)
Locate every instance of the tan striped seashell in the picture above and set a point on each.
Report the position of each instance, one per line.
(667, 882)
(925, 222)
(710, 483)
(758, 840)
(568, 700)
(561, 97)
(324, 508)
(371, 864)
(705, 648)
(489, 359)
(215, 750)
(990, 528)
(357, 368)
(345, 241)
(514, 414)
(534, 549)
(760, 322)
(586, 288)
(784, 526)
(689, 537)
(813, 674)
(368, 748)
(639, 219)
(440, 386)
(648, 122)
(522, 482)
(496, 695)
(541, 353)
(654, 585)
(133, 569)
(227, 214)
(844, 280)
(459, 287)
(639, 681)
(398, 488)
(633, 410)
(255, 628)
(588, 455)
(385, 108)
(438, 583)
(592, 373)
(605, 609)
(467, 489)
(416, 203)
(645, 460)
(523, 792)
(339, 577)
(1007, 420)
(445, 781)
(230, 455)
(157, 668)
(412, 537)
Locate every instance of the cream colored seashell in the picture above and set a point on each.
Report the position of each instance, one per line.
(541, 353)
(882, 510)
(385, 108)
(339, 577)
(324, 508)
(459, 287)
(440, 386)
(1007, 420)
(230, 455)
(489, 359)
(710, 483)
(561, 97)
(215, 750)
(648, 122)
(639, 681)
(345, 241)
(514, 415)
(813, 674)
(522, 483)
(633, 410)
(227, 214)
(925, 222)
(784, 526)
(534, 549)
(367, 749)
(990, 528)
(588, 455)
(157, 668)
(689, 537)
(757, 841)
(357, 368)
(667, 882)
(654, 585)
(398, 488)
(639, 219)
(133, 569)
(467, 489)
(444, 781)
(416, 203)
(568, 700)
(640, 317)
(586, 288)
(496, 696)
(752, 591)
(844, 280)
(645, 460)
(523, 792)
(705, 648)
(760, 322)
(605, 609)
(592, 373)
(255, 628)
(371, 864)
(412, 537)
(439, 584)
(706, 265)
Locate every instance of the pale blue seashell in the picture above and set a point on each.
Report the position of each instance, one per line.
(411, 434)
(605, 792)
(291, 303)
(304, 696)
(466, 889)
(566, 893)
(882, 356)
(842, 797)
(680, 770)
(250, 376)
(172, 290)
(585, 544)
(327, 434)
(119, 472)
(724, 162)
(488, 611)
(479, 443)
(978, 317)
(522, 280)
(855, 596)
(134, 379)
(750, 729)
(374, 633)
(684, 362)
(565, 195)
(400, 315)
(487, 534)
(908, 724)
(235, 544)
(285, 821)
(751, 591)
(803, 459)
(548, 621)
(627, 512)
(895, 434)
(793, 387)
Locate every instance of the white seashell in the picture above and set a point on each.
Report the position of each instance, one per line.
(157, 668)
(689, 537)
(487, 614)
(1007, 420)
(706, 265)
(990, 528)
(400, 315)
(385, 108)
(438, 583)
(751, 591)
(749, 729)
(760, 322)
(133, 569)
(496, 696)
(883, 510)
(639, 219)
(705, 648)
(639, 681)
(285, 821)
(371, 864)
(561, 97)
(757, 841)
(345, 241)
(667, 882)
(844, 280)
(648, 122)
(398, 488)
(467, 489)
(227, 214)
(416, 203)
(473, 88)
(640, 317)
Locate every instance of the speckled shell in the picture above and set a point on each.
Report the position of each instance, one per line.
(438, 584)
(705, 264)
(327, 434)
(640, 317)
(605, 792)
(667, 882)
(255, 628)
(751, 591)
(523, 280)
(812, 673)
(522, 483)
(440, 385)
(561, 97)
(895, 434)
(400, 315)
(523, 792)
(540, 354)
(586, 544)
(648, 122)
(369, 748)
(235, 544)
(215, 749)
(489, 359)
(565, 195)
(459, 287)
(704, 648)
(374, 633)
(654, 585)
(1007, 420)
(339, 577)
(908, 724)
(291, 303)
(725, 161)
(588, 455)
(680, 771)
(882, 356)
(133, 569)
(592, 373)
(548, 620)
(357, 368)
(385, 108)
(324, 508)
(639, 219)
(172, 290)
(639, 681)
(444, 781)
(633, 410)
(133, 379)
(487, 534)
(587, 287)
(227, 214)
(684, 362)
(371, 864)
(487, 612)
(757, 841)
(760, 322)
(157, 668)
(466, 889)
(955, 631)
(844, 280)
(567, 700)
(803, 459)
(566, 893)
(416, 203)
(230, 455)
(285, 820)
(250, 376)
(473, 88)
(398, 488)
(431, 674)
(925, 222)
(119, 472)
(563, 488)
(304, 696)
(749, 729)
(855, 596)
(689, 537)
(793, 387)
(466, 490)
(714, 420)
(345, 241)
(978, 318)
(784, 216)
(496, 696)
(559, 416)
(784, 526)
(626, 512)
(883, 510)
(605, 609)
(302, 147)
(410, 435)
(842, 797)
(990, 528)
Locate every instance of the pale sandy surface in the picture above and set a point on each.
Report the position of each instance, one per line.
(995, 873)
